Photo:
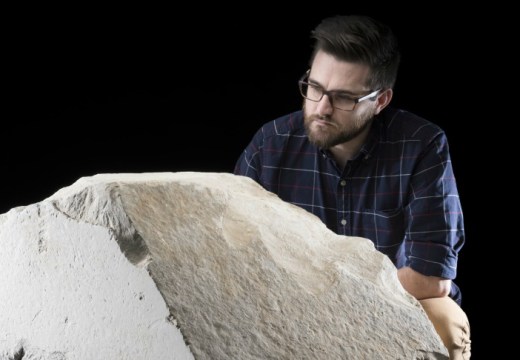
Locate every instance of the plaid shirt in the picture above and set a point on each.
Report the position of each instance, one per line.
(399, 191)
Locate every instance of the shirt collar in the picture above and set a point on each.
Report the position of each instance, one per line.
(368, 147)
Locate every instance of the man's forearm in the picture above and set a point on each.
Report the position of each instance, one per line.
(422, 286)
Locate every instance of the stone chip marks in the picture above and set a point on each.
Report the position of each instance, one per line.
(193, 265)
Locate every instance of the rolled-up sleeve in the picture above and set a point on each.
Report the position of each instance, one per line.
(433, 217)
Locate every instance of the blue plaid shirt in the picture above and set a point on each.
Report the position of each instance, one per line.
(399, 191)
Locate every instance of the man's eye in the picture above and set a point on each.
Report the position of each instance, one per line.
(315, 89)
(342, 97)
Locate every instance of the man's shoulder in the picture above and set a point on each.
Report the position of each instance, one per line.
(286, 125)
(399, 123)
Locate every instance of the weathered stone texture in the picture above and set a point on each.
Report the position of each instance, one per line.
(196, 265)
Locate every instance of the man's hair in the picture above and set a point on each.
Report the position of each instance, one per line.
(363, 40)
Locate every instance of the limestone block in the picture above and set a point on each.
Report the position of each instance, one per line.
(194, 265)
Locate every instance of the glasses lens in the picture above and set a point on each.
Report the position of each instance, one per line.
(315, 93)
(343, 101)
(310, 91)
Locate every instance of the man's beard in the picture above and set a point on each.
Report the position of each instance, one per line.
(330, 136)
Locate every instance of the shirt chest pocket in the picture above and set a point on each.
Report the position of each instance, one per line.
(385, 228)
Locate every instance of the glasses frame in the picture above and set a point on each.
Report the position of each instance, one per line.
(370, 96)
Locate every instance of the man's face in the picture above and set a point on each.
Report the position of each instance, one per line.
(326, 125)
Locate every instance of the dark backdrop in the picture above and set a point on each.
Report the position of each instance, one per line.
(164, 90)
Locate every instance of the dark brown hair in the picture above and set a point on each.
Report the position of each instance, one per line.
(360, 39)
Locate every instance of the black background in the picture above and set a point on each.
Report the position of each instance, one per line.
(152, 90)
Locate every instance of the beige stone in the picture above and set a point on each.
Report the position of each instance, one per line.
(196, 265)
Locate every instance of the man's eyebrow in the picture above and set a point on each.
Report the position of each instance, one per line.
(348, 92)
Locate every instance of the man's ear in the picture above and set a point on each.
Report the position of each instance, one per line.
(383, 100)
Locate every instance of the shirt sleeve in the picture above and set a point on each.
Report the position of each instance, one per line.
(434, 221)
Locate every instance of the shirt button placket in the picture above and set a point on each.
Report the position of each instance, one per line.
(343, 183)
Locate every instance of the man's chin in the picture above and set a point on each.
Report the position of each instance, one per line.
(319, 131)
(319, 137)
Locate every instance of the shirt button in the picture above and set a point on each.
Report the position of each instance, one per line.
(343, 222)
(343, 182)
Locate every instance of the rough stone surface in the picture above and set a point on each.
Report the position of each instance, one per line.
(195, 265)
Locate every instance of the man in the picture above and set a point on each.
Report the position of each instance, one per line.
(366, 169)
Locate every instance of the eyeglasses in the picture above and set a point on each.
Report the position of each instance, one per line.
(338, 99)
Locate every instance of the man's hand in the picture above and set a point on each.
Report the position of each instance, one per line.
(422, 286)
